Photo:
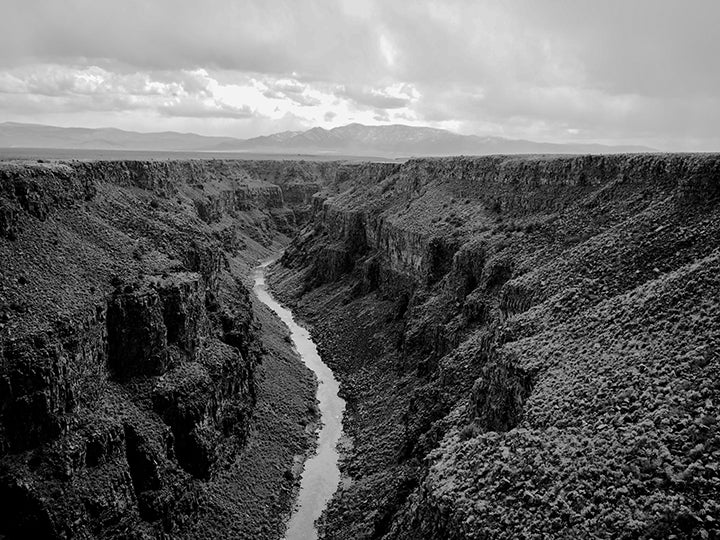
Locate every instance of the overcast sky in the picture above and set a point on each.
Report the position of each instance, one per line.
(615, 71)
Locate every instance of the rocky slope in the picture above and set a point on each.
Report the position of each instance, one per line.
(529, 346)
(142, 394)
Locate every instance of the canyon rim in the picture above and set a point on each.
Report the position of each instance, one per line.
(528, 346)
(359, 270)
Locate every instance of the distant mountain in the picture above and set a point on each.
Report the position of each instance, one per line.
(16, 135)
(401, 140)
(354, 139)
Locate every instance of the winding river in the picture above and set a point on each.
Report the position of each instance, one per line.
(321, 476)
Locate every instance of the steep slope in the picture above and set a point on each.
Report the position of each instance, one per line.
(142, 393)
(528, 345)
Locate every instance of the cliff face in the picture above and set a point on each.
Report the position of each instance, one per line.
(529, 345)
(129, 346)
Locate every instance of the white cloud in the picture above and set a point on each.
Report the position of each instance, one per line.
(394, 96)
(639, 71)
(388, 50)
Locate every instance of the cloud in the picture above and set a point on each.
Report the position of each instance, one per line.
(59, 80)
(375, 98)
(204, 109)
(639, 71)
(287, 86)
(184, 93)
(272, 38)
(285, 89)
(381, 115)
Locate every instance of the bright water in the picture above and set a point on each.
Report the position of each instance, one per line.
(321, 476)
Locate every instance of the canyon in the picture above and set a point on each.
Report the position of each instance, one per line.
(144, 391)
(527, 346)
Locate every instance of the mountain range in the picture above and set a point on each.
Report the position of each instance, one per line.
(394, 140)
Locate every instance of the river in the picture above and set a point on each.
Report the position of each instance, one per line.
(321, 476)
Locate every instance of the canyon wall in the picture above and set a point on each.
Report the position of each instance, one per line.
(129, 344)
(528, 345)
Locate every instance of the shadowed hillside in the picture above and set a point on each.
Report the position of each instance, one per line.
(529, 346)
(142, 391)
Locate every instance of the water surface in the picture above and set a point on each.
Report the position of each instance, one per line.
(321, 476)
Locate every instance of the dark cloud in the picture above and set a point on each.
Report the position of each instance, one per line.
(647, 47)
(290, 90)
(273, 94)
(372, 98)
(276, 37)
(381, 115)
(640, 69)
(63, 89)
(54, 80)
(42, 106)
(303, 100)
(288, 86)
(194, 109)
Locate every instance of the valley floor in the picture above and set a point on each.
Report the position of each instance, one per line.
(529, 347)
(253, 497)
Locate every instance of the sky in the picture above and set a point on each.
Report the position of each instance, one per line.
(611, 71)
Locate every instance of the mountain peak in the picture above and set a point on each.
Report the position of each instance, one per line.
(389, 140)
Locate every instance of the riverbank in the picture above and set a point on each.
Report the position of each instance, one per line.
(515, 337)
(321, 476)
(356, 340)
(157, 398)
(262, 485)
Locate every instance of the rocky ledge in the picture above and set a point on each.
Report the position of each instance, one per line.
(528, 345)
(136, 381)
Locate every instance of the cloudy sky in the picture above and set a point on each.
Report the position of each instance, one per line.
(614, 71)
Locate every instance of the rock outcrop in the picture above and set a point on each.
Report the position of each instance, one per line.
(528, 345)
(128, 342)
